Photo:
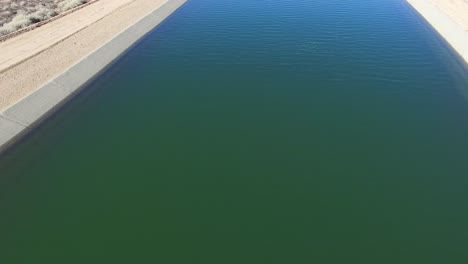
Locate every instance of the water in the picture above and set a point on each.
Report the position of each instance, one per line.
(266, 131)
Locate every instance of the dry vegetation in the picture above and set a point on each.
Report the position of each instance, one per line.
(17, 14)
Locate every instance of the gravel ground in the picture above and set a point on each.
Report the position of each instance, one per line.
(17, 14)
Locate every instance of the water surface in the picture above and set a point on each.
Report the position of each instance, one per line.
(254, 131)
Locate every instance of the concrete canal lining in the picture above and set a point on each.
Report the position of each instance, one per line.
(23, 116)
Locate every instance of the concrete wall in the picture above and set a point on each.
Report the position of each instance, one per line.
(22, 117)
(451, 31)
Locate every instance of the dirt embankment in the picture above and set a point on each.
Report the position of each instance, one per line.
(18, 14)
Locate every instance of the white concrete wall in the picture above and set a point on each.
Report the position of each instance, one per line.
(452, 32)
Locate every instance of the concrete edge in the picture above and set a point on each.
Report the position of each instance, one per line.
(450, 31)
(22, 117)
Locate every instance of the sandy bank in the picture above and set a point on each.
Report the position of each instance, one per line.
(449, 18)
(49, 50)
(42, 68)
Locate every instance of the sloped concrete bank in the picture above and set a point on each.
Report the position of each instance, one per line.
(22, 117)
(451, 25)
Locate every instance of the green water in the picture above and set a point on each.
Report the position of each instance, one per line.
(254, 131)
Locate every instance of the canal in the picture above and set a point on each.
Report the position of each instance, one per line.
(242, 131)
